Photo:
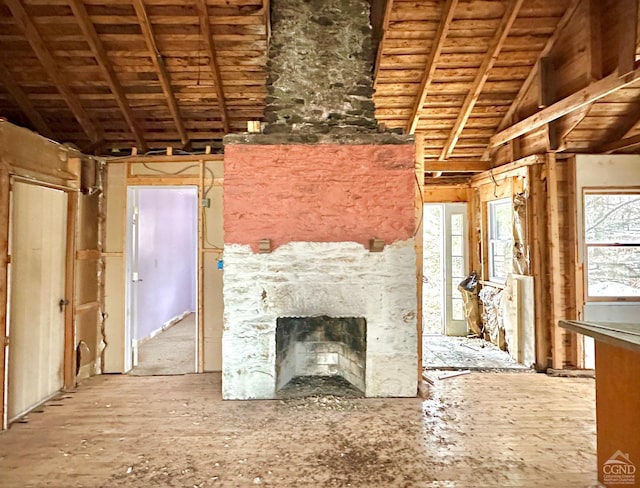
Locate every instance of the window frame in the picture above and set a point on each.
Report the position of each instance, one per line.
(492, 239)
(586, 246)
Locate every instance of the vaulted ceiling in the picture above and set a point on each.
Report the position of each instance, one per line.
(479, 82)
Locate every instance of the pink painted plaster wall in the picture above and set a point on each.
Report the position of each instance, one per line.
(318, 193)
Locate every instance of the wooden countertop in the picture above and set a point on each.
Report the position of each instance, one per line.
(621, 335)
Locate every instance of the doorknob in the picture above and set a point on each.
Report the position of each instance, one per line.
(62, 303)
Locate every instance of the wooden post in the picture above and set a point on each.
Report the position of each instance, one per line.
(5, 196)
(538, 242)
(576, 354)
(69, 292)
(555, 274)
(419, 199)
(201, 256)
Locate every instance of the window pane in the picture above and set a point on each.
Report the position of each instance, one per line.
(500, 253)
(612, 218)
(457, 311)
(613, 271)
(503, 221)
(457, 266)
(456, 224)
(456, 245)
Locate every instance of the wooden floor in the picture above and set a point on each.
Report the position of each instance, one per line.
(172, 351)
(475, 431)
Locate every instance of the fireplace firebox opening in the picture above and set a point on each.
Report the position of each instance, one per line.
(321, 350)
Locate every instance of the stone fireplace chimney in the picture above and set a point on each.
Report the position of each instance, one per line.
(320, 66)
(306, 291)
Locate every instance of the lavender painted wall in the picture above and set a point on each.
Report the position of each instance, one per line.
(167, 255)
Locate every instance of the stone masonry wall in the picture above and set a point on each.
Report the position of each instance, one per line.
(307, 279)
(320, 63)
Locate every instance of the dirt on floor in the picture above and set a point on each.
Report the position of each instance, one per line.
(118, 431)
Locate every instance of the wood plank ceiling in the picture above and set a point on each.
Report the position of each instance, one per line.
(119, 73)
(468, 77)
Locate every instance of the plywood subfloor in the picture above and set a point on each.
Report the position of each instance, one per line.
(479, 430)
(173, 351)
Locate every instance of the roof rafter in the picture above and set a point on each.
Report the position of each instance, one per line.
(524, 88)
(384, 27)
(627, 143)
(205, 26)
(81, 14)
(48, 63)
(493, 51)
(438, 42)
(161, 69)
(579, 99)
(22, 100)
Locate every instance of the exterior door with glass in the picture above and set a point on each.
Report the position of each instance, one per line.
(455, 266)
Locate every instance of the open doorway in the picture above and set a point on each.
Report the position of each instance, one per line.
(446, 341)
(162, 246)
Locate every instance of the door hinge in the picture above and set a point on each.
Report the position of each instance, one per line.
(6, 341)
(9, 259)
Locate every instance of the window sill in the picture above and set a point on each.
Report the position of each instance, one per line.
(493, 284)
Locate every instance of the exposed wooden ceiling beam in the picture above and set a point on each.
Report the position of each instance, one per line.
(205, 27)
(624, 127)
(48, 63)
(579, 99)
(266, 12)
(161, 69)
(81, 14)
(382, 28)
(454, 166)
(524, 88)
(462, 181)
(427, 77)
(22, 100)
(623, 144)
(493, 51)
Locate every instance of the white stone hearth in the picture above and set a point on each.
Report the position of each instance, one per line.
(307, 279)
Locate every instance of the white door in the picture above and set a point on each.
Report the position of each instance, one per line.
(37, 284)
(456, 266)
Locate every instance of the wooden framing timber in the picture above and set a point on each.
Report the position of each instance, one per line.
(48, 63)
(627, 35)
(69, 375)
(266, 13)
(5, 189)
(526, 84)
(418, 244)
(455, 166)
(89, 31)
(205, 26)
(536, 218)
(380, 18)
(164, 158)
(22, 100)
(555, 270)
(473, 94)
(477, 180)
(627, 144)
(430, 68)
(161, 69)
(201, 258)
(579, 99)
